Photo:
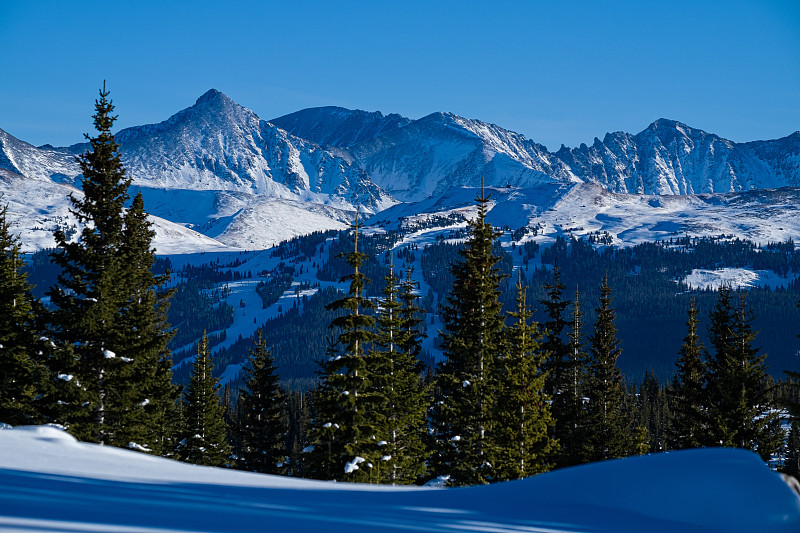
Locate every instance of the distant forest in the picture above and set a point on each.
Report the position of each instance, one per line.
(650, 300)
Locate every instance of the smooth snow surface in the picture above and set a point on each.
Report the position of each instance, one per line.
(50, 482)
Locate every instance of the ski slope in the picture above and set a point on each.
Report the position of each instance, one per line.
(50, 482)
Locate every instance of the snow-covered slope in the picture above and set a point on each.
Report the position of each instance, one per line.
(444, 150)
(337, 126)
(672, 158)
(50, 482)
(223, 171)
(38, 207)
(218, 169)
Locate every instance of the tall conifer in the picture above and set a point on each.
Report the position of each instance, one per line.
(740, 403)
(205, 436)
(261, 416)
(523, 445)
(570, 428)
(110, 315)
(462, 417)
(397, 379)
(609, 434)
(22, 374)
(348, 420)
(690, 405)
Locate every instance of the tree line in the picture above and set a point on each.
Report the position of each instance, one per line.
(511, 398)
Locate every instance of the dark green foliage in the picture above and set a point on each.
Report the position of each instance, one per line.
(204, 437)
(690, 426)
(651, 416)
(569, 407)
(348, 422)
(791, 464)
(298, 420)
(22, 374)
(109, 318)
(522, 442)
(261, 417)
(609, 433)
(739, 398)
(472, 341)
(397, 380)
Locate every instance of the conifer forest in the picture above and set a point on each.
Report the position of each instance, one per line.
(568, 359)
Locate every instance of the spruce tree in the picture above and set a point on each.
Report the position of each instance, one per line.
(570, 428)
(261, 413)
(740, 410)
(145, 332)
(87, 298)
(397, 379)
(522, 441)
(462, 415)
(22, 374)
(608, 432)
(204, 433)
(109, 316)
(348, 419)
(690, 424)
(553, 343)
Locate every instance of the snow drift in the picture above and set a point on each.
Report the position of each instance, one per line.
(51, 482)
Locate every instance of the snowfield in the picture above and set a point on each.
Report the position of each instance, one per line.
(51, 482)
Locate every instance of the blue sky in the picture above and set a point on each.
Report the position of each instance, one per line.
(555, 71)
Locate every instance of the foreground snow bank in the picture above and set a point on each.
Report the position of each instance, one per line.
(51, 482)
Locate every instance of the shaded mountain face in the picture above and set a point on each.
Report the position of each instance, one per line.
(337, 126)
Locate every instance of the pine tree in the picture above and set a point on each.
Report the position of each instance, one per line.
(397, 379)
(557, 379)
(22, 374)
(462, 417)
(87, 298)
(261, 420)
(609, 433)
(110, 317)
(348, 419)
(740, 403)
(570, 428)
(522, 441)
(145, 333)
(690, 424)
(791, 463)
(204, 439)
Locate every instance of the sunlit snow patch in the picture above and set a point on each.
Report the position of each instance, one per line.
(735, 278)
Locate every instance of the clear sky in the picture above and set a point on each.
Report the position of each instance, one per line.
(555, 71)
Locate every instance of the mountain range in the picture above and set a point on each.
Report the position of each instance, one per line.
(217, 176)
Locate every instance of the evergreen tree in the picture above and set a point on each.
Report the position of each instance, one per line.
(109, 318)
(87, 298)
(22, 375)
(690, 425)
(522, 441)
(609, 433)
(740, 403)
(348, 419)
(555, 306)
(570, 427)
(462, 416)
(145, 333)
(205, 439)
(397, 379)
(261, 421)
(791, 463)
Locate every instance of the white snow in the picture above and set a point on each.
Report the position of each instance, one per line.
(735, 278)
(50, 482)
